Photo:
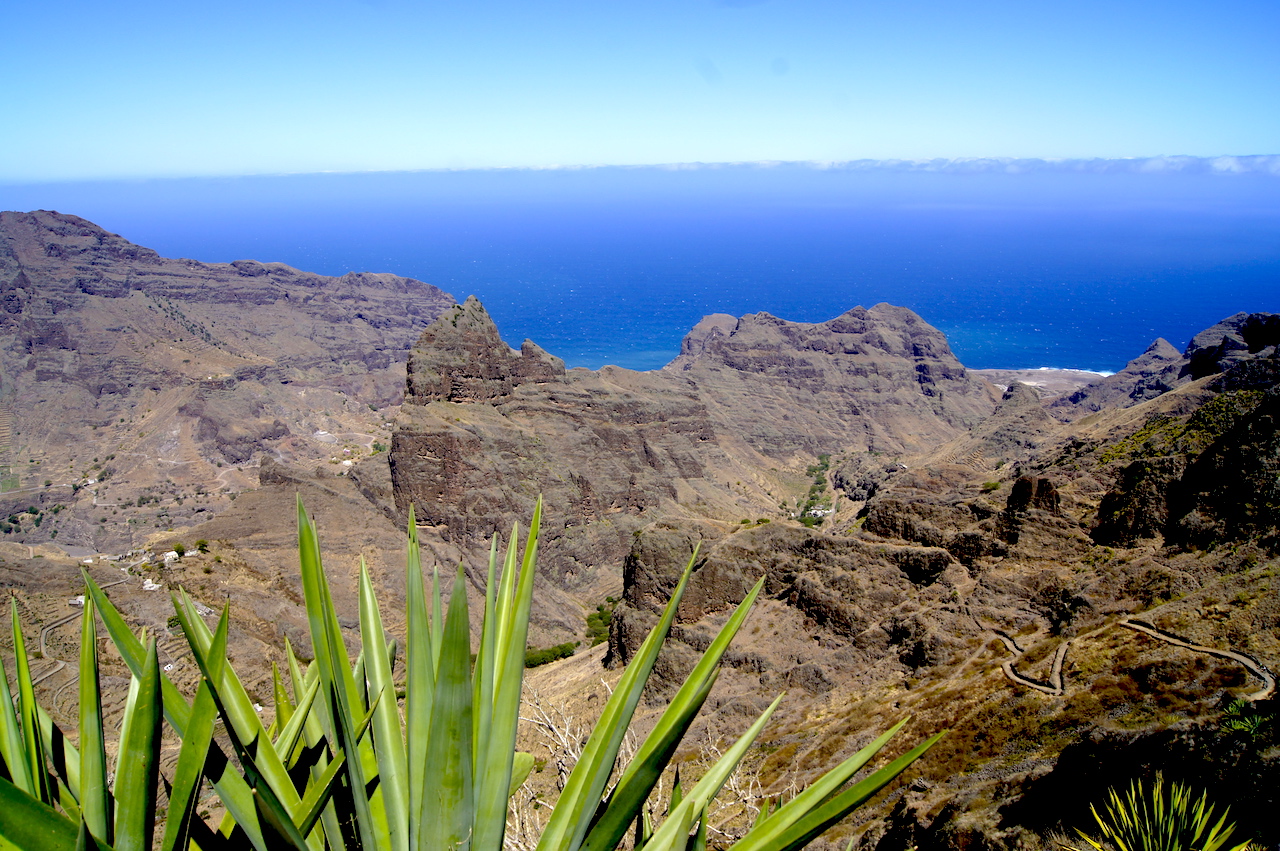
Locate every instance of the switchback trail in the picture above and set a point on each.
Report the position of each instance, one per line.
(1252, 665)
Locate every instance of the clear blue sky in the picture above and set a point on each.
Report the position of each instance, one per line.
(174, 88)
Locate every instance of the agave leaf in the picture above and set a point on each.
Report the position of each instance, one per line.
(482, 684)
(807, 828)
(699, 840)
(783, 817)
(392, 768)
(234, 790)
(447, 806)
(709, 786)
(176, 709)
(437, 618)
(505, 666)
(95, 798)
(184, 795)
(317, 797)
(85, 841)
(67, 801)
(289, 743)
(313, 734)
(32, 825)
(644, 829)
(12, 749)
(419, 678)
(273, 816)
(482, 676)
(283, 705)
(59, 751)
(32, 744)
(312, 729)
(521, 767)
(582, 793)
(235, 793)
(244, 725)
(642, 773)
(674, 833)
(138, 764)
(65, 760)
(338, 683)
(229, 785)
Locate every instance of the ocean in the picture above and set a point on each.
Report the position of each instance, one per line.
(614, 265)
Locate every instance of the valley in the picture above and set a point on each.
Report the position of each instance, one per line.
(1074, 574)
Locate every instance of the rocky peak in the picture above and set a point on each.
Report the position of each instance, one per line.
(461, 358)
(710, 328)
(870, 379)
(1234, 339)
(1156, 371)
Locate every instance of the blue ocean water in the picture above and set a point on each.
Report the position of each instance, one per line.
(615, 265)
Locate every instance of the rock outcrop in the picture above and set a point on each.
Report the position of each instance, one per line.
(966, 559)
(1242, 340)
(1238, 338)
(1157, 370)
(878, 379)
(485, 429)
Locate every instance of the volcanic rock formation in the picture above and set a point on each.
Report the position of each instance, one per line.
(127, 375)
(1068, 585)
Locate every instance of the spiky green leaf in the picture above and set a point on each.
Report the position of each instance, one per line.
(95, 797)
(138, 764)
(447, 806)
(32, 825)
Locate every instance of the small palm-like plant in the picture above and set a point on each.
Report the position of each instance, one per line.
(1159, 817)
(345, 765)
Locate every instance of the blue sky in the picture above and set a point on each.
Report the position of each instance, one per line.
(146, 89)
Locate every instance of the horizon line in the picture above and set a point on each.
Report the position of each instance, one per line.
(1224, 165)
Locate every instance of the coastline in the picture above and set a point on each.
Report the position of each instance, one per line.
(1049, 382)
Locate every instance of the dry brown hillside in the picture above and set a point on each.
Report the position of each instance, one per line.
(1076, 577)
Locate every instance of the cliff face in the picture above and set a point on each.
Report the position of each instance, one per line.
(54, 267)
(879, 380)
(967, 558)
(131, 374)
(984, 586)
(485, 429)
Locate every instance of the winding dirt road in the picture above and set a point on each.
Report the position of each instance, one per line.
(1251, 664)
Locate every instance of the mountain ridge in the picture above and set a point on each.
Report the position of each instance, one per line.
(932, 544)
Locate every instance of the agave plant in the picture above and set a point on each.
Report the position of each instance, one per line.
(93, 813)
(347, 765)
(1159, 817)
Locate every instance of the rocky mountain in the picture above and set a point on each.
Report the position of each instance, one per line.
(138, 392)
(1078, 580)
(1079, 602)
(485, 430)
(1045, 576)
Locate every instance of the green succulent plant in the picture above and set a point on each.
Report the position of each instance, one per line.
(346, 765)
(1158, 816)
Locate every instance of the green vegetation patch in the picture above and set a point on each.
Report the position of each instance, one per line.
(1163, 435)
(817, 502)
(599, 620)
(541, 656)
